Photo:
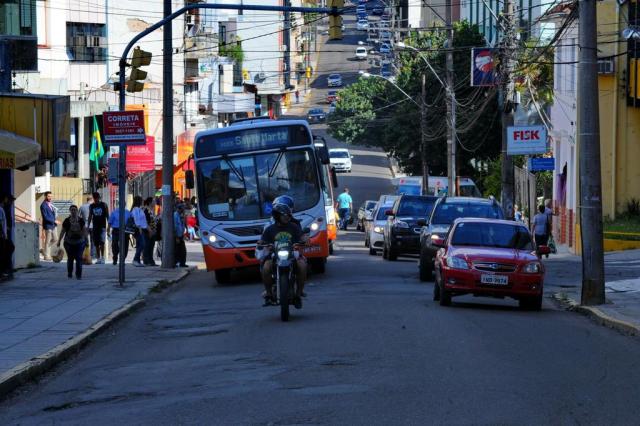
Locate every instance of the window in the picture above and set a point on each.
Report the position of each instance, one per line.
(86, 42)
(18, 18)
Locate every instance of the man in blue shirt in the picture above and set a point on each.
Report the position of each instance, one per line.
(114, 232)
(179, 228)
(344, 204)
(49, 223)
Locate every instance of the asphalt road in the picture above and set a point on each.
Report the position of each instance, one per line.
(368, 347)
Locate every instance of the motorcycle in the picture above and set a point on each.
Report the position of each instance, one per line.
(285, 280)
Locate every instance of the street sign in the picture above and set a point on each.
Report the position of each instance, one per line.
(124, 127)
(541, 164)
(526, 140)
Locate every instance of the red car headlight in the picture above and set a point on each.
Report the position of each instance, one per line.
(532, 268)
(457, 263)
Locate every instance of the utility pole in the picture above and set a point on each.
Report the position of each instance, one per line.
(451, 105)
(286, 35)
(507, 93)
(423, 145)
(590, 203)
(168, 238)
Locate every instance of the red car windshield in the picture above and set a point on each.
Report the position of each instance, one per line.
(482, 234)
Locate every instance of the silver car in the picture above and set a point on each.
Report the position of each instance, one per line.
(334, 80)
(374, 237)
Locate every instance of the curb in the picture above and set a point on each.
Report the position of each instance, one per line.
(35, 367)
(597, 315)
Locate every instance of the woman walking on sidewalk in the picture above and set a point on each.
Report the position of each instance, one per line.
(75, 237)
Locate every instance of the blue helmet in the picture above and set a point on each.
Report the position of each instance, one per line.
(284, 199)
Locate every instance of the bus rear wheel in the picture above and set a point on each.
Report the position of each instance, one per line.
(223, 276)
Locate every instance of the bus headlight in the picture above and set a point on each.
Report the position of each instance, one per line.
(218, 242)
(314, 226)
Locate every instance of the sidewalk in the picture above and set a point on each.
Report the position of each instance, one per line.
(622, 288)
(45, 317)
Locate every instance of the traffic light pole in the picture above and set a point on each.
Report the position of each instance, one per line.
(167, 133)
(168, 234)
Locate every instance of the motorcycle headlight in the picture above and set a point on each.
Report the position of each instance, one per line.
(401, 224)
(532, 268)
(457, 263)
(378, 229)
(283, 254)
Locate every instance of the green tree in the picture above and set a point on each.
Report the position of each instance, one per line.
(374, 112)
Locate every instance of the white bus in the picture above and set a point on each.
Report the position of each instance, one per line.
(240, 169)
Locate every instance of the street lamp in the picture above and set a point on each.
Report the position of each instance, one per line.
(451, 112)
(423, 123)
(367, 75)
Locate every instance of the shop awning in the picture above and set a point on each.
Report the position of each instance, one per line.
(17, 151)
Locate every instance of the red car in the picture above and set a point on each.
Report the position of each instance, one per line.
(332, 96)
(489, 257)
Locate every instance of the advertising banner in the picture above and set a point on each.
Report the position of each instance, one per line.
(483, 67)
(141, 158)
(526, 140)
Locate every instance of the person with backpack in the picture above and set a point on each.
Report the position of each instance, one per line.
(74, 234)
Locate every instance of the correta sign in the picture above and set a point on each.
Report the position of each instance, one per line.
(526, 140)
(124, 127)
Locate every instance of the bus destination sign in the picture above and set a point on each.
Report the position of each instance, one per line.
(252, 140)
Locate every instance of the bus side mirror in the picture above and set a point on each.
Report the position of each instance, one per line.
(189, 179)
(334, 177)
(323, 154)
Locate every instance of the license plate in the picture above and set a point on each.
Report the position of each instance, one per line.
(494, 279)
(311, 249)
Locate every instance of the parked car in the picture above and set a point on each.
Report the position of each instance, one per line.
(362, 25)
(316, 115)
(332, 107)
(446, 210)
(385, 35)
(334, 80)
(489, 257)
(340, 159)
(374, 230)
(361, 53)
(332, 96)
(385, 48)
(378, 10)
(386, 71)
(402, 231)
(364, 212)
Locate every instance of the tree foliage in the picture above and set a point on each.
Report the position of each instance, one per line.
(373, 112)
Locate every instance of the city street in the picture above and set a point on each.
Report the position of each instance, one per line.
(368, 347)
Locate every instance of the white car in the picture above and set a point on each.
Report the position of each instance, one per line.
(334, 80)
(340, 159)
(361, 53)
(362, 25)
(375, 236)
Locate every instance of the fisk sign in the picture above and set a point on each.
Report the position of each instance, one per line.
(525, 140)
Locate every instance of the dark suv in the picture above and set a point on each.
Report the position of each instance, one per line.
(402, 232)
(445, 211)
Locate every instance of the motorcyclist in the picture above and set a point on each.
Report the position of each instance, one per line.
(284, 230)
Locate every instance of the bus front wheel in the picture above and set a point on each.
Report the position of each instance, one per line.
(318, 264)
(223, 276)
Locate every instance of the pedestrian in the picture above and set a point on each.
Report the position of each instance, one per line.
(75, 236)
(142, 229)
(6, 244)
(297, 96)
(344, 205)
(192, 223)
(179, 228)
(84, 214)
(541, 227)
(517, 214)
(49, 215)
(98, 214)
(147, 254)
(114, 231)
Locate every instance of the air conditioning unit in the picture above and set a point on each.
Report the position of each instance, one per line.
(606, 66)
(79, 41)
(96, 41)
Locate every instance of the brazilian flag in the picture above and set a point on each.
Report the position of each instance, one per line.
(97, 150)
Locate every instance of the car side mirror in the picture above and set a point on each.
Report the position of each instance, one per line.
(352, 157)
(543, 250)
(438, 241)
(422, 222)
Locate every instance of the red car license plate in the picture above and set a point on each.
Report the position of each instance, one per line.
(493, 279)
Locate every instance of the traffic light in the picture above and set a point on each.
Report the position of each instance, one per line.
(308, 72)
(245, 75)
(139, 59)
(335, 21)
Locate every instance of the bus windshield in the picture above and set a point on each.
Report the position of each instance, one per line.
(242, 188)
